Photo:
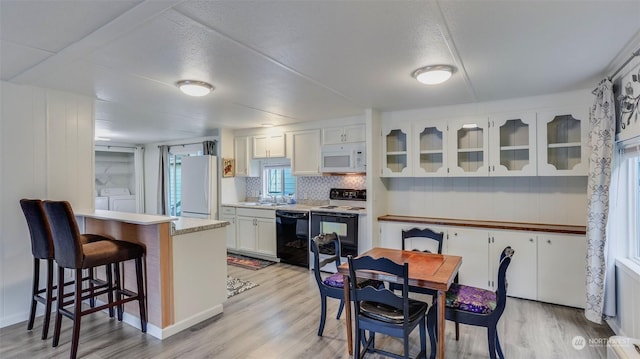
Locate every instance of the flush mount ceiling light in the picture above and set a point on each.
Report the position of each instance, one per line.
(433, 75)
(194, 88)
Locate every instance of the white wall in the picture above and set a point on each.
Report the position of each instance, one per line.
(232, 189)
(557, 200)
(46, 152)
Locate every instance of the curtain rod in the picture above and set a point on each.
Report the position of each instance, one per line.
(633, 55)
(188, 144)
(115, 146)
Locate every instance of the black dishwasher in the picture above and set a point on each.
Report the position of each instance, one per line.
(292, 236)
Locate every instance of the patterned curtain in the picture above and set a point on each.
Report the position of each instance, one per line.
(601, 140)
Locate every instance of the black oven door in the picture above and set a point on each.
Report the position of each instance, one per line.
(345, 225)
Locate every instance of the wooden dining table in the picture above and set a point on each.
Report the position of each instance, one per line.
(426, 270)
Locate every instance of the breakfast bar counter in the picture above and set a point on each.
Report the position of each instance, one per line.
(181, 255)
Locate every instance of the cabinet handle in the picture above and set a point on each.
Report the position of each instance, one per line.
(531, 240)
(455, 234)
(549, 241)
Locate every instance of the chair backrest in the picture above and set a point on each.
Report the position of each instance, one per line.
(39, 231)
(382, 295)
(430, 237)
(66, 236)
(501, 291)
(331, 240)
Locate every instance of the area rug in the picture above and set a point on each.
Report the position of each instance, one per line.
(237, 286)
(247, 262)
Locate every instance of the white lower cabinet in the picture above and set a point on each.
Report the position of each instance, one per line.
(522, 275)
(229, 214)
(562, 269)
(472, 246)
(266, 236)
(548, 267)
(256, 231)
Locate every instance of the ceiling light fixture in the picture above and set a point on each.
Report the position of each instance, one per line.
(434, 74)
(267, 125)
(194, 88)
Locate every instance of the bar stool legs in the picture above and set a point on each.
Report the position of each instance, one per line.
(36, 296)
(114, 283)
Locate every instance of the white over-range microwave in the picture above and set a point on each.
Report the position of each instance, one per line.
(347, 158)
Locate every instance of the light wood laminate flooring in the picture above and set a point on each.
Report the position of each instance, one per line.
(279, 319)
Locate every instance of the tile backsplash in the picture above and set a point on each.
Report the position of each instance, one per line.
(312, 188)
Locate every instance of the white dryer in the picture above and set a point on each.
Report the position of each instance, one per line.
(120, 199)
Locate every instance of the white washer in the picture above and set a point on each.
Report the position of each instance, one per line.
(102, 202)
(120, 199)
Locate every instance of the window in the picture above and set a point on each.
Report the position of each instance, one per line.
(277, 180)
(623, 226)
(176, 153)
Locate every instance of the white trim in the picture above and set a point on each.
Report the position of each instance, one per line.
(630, 266)
(166, 332)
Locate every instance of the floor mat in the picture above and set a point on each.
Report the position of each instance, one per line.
(237, 286)
(247, 262)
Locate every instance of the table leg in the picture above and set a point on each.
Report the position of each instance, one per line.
(441, 321)
(347, 308)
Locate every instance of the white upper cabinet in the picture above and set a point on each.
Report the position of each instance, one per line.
(396, 151)
(562, 142)
(468, 147)
(512, 146)
(245, 167)
(305, 158)
(345, 134)
(269, 146)
(430, 156)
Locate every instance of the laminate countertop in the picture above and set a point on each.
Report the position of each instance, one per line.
(125, 217)
(515, 226)
(183, 225)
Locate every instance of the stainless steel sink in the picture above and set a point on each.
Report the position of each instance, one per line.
(266, 204)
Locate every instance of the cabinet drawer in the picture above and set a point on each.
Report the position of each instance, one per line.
(254, 212)
(228, 210)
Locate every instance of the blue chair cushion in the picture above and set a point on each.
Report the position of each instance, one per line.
(471, 299)
(337, 281)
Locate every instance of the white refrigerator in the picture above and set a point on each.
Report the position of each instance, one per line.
(199, 187)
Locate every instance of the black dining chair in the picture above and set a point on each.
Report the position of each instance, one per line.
(331, 286)
(429, 241)
(381, 310)
(425, 240)
(476, 306)
(42, 249)
(72, 253)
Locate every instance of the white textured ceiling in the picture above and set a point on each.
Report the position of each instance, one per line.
(293, 61)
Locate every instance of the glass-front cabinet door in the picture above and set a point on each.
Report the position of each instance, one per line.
(562, 139)
(396, 151)
(430, 149)
(468, 147)
(512, 150)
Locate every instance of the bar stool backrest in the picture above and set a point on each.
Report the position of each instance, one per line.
(39, 231)
(65, 233)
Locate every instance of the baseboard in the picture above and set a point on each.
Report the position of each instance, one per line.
(254, 255)
(185, 323)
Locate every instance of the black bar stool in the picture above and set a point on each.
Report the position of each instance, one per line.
(72, 253)
(42, 249)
